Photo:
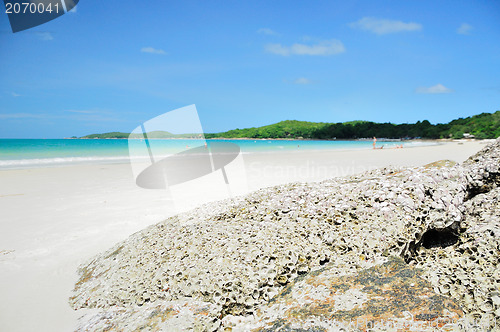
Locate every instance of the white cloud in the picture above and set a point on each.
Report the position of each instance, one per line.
(267, 31)
(13, 94)
(277, 49)
(153, 50)
(382, 27)
(464, 29)
(44, 35)
(327, 47)
(302, 80)
(438, 88)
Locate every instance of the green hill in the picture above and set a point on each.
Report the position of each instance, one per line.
(114, 134)
(152, 134)
(283, 129)
(484, 125)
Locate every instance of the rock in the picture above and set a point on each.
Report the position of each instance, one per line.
(469, 270)
(387, 295)
(239, 254)
(172, 316)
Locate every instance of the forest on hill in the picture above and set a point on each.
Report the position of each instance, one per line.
(482, 126)
(151, 134)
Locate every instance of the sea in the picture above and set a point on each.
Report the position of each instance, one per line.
(35, 153)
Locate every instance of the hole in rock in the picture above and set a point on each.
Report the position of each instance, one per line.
(324, 261)
(434, 239)
(491, 182)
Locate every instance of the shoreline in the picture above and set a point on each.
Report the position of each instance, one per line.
(57, 162)
(383, 139)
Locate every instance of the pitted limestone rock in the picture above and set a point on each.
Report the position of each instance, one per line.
(238, 254)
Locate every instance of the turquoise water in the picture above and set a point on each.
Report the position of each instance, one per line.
(19, 153)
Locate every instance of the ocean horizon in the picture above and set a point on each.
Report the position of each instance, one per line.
(35, 153)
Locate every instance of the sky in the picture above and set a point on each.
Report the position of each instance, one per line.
(112, 65)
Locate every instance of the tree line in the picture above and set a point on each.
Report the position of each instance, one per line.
(484, 125)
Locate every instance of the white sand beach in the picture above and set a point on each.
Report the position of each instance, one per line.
(54, 219)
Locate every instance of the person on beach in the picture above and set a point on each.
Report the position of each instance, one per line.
(374, 142)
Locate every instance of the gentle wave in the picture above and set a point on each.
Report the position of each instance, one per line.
(59, 161)
(302, 146)
(47, 162)
(419, 143)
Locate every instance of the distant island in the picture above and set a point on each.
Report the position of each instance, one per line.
(481, 126)
(152, 134)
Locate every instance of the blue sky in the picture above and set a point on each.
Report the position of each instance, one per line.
(112, 64)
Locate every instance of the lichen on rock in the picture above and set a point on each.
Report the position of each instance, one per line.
(390, 294)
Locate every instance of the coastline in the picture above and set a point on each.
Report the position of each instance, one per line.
(382, 139)
(34, 155)
(78, 211)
